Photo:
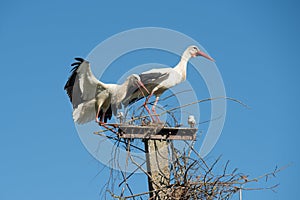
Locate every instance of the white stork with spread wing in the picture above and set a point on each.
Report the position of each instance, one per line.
(92, 99)
(159, 80)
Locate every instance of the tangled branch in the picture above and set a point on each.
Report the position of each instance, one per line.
(190, 176)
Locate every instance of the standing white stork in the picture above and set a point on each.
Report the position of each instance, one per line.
(92, 99)
(159, 80)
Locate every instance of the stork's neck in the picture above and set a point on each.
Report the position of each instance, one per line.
(124, 88)
(182, 65)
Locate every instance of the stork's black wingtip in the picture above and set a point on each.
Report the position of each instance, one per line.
(79, 59)
(75, 63)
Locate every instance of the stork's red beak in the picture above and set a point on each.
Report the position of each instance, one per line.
(143, 86)
(201, 53)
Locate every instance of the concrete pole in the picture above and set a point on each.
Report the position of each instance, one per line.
(157, 158)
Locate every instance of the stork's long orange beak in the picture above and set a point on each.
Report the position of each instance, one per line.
(201, 53)
(143, 86)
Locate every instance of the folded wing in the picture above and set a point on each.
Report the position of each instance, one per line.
(150, 79)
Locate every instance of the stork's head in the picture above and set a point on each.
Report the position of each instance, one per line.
(135, 79)
(194, 51)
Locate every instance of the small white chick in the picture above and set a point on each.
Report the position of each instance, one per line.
(120, 117)
(191, 121)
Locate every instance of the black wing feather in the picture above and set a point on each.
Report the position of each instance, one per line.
(150, 81)
(76, 63)
(70, 83)
(80, 59)
(154, 78)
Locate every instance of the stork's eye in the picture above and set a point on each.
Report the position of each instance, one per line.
(195, 48)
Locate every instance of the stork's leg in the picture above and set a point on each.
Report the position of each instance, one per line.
(153, 109)
(101, 121)
(146, 107)
(97, 114)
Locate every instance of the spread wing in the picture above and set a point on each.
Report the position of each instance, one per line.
(150, 79)
(82, 85)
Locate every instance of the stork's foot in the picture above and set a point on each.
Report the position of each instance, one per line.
(106, 126)
(114, 125)
(101, 123)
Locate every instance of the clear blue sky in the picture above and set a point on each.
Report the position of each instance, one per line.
(256, 45)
